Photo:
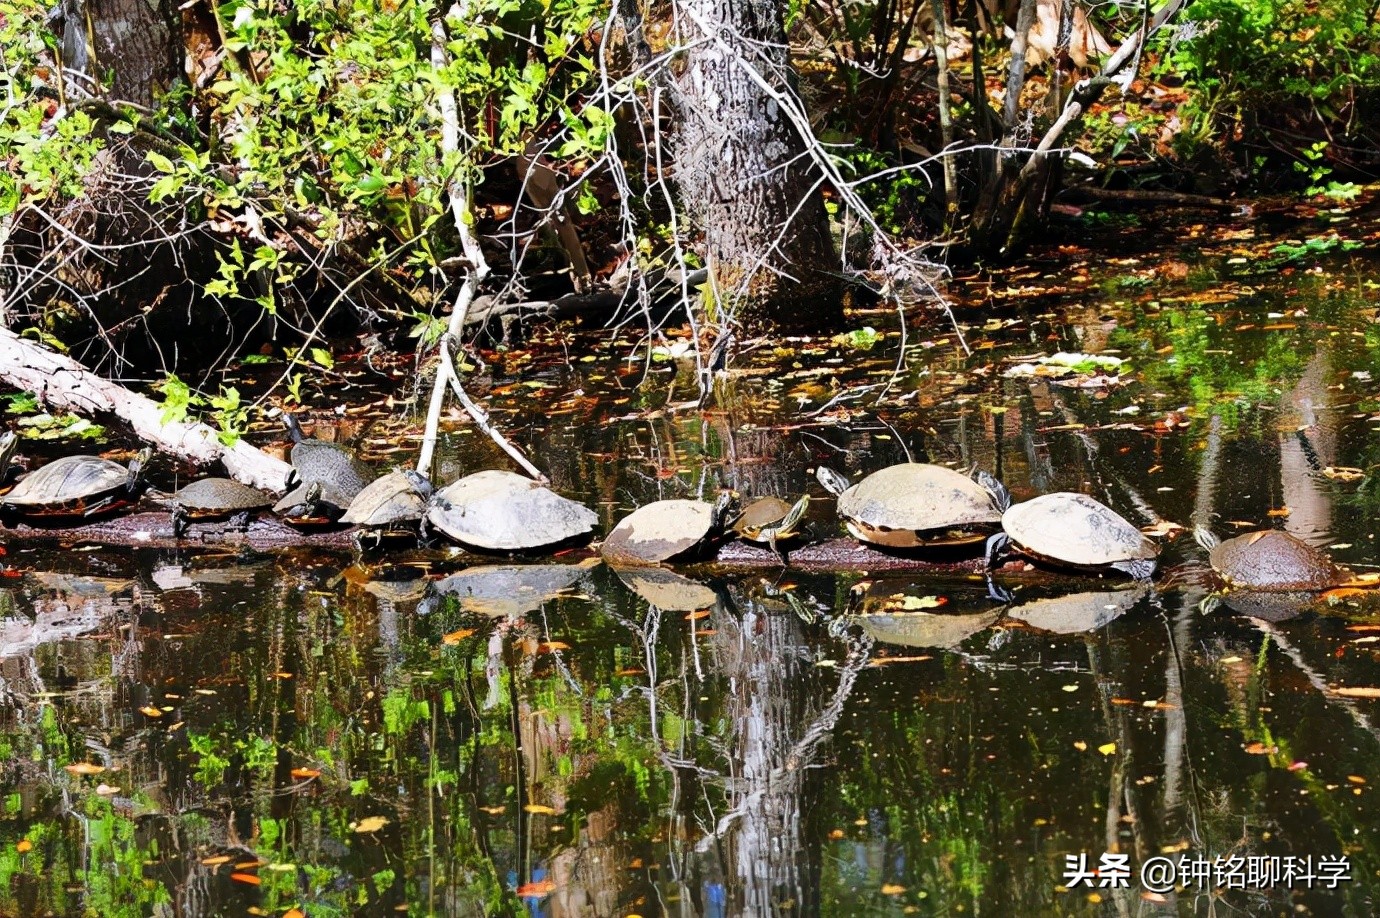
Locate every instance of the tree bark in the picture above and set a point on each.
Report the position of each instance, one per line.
(129, 46)
(744, 174)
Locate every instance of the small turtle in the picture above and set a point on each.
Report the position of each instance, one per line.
(770, 520)
(667, 529)
(9, 469)
(390, 506)
(504, 511)
(78, 486)
(329, 463)
(1269, 561)
(915, 504)
(1073, 530)
(216, 499)
(312, 505)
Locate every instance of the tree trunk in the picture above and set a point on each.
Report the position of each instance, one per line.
(743, 172)
(131, 46)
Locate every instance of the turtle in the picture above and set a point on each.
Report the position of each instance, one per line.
(216, 499)
(503, 590)
(503, 511)
(771, 520)
(1075, 531)
(668, 529)
(389, 506)
(329, 463)
(312, 504)
(9, 469)
(915, 504)
(78, 486)
(1073, 613)
(1269, 561)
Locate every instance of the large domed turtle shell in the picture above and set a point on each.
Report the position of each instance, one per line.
(1273, 561)
(659, 531)
(332, 500)
(510, 589)
(1076, 530)
(926, 629)
(504, 511)
(914, 504)
(73, 484)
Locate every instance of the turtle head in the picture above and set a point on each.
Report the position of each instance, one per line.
(294, 429)
(1205, 537)
(419, 483)
(1001, 498)
(833, 482)
(791, 521)
(137, 466)
(313, 493)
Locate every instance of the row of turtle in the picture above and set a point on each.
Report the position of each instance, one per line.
(906, 506)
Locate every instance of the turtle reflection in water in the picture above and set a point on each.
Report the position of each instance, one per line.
(666, 590)
(1076, 613)
(915, 505)
(507, 590)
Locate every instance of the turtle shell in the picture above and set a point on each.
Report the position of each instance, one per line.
(659, 531)
(504, 511)
(1073, 613)
(67, 485)
(508, 590)
(1273, 561)
(913, 504)
(1075, 530)
(211, 496)
(760, 514)
(390, 501)
(926, 629)
(328, 463)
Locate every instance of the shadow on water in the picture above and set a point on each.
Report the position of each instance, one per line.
(189, 735)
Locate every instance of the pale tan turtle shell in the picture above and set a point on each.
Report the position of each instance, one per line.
(913, 504)
(659, 531)
(504, 511)
(1076, 530)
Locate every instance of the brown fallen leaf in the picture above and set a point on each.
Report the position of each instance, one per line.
(540, 809)
(552, 646)
(246, 878)
(83, 768)
(150, 711)
(24, 846)
(697, 615)
(306, 773)
(539, 889)
(1282, 511)
(1259, 748)
(455, 637)
(215, 861)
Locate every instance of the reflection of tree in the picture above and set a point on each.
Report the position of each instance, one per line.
(758, 750)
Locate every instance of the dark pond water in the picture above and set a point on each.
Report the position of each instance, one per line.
(296, 735)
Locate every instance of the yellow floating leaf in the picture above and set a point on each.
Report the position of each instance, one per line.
(294, 913)
(24, 846)
(1356, 779)
(552, 646)
(1080, 745)
(455, 637)
(493, 810)
(536, 890)
(912, 603)
(246, 878)
(215, 861)
(105, 790)
(697, 615)
(892, 889)
(1259, 748)
(306, 773)
(150, 712)
(1071, 687)
(370, 824)
(539, 809)
(1282, 511)
(1356, 691)
(1107, 749)
(83, 768)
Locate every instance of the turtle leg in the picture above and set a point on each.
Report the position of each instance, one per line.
(1139, 569)
(995, 546)
(180, 522)
(358, 539)
(776, 547)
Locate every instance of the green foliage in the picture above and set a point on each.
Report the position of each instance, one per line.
(182, 403)
(1255, 65)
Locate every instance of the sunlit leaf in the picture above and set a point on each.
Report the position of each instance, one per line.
(370, 824)
(539, 809)
(455, 637)
(539, 889)
(1356, 691)
(248, 878)
(1107, 748)
(83, 768)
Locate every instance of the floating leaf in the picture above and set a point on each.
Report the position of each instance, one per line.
(1259, 748)
(892, 889)
(246, 878)
(370, 824)
(150, 711)
(912, 603)
(539, 809)
(306, 773)
(215, 861)
(455, 637)
(1107, 749)
(538, 889)
(24, 846)
(83, 768)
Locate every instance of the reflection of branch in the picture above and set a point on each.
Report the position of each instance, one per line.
(1314, 678)
(823, 725)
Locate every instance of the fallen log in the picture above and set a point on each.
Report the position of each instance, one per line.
(1153, 198)
(63, 384)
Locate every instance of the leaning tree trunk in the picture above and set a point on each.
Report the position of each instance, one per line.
(743, 171)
